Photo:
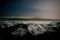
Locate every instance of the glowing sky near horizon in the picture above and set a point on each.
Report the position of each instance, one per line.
(31, 8)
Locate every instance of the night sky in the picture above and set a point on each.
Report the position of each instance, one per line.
(35, 8)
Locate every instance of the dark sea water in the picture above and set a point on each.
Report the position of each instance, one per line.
(9, 26)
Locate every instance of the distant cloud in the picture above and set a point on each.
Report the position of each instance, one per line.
(38, 8)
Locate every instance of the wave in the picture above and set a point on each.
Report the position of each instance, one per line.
(19, 29)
